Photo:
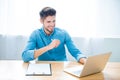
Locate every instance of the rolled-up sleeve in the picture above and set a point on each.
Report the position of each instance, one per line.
(75, 52)
(28, 53)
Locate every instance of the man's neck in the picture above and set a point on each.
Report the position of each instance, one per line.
(47, 32)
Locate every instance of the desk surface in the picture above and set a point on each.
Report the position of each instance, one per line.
(15, 70)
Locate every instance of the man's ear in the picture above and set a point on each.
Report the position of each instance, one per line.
(41, 20)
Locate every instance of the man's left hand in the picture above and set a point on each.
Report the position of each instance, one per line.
(83, 60)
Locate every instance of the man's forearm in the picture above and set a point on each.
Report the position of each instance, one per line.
(40, 51)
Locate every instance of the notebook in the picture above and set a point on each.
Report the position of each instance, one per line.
(94, 64)
(39, 69)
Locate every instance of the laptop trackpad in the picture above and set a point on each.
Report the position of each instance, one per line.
(75, 70)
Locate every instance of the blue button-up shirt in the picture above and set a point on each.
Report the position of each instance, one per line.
(39, 39)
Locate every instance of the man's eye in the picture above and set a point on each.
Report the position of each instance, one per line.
(48, 21)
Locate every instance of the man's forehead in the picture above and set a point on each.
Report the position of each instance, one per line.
(50, 18)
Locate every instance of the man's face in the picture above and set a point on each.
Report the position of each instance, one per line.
(49, 24)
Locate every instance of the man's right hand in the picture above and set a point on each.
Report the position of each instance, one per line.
(55, 43)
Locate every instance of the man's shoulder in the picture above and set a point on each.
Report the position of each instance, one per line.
(35, 32)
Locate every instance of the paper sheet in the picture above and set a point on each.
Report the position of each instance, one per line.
(39, 70)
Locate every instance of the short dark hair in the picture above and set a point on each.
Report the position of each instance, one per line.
(47, 11)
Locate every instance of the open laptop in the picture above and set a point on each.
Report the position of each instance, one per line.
(94, 64)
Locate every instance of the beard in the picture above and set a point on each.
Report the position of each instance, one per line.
(49, 30)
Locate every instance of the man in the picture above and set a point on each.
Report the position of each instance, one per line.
(48, 43)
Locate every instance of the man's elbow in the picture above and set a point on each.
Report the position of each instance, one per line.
(28, 55)
(25, 57)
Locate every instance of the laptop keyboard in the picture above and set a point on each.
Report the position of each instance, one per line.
(77, 72)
